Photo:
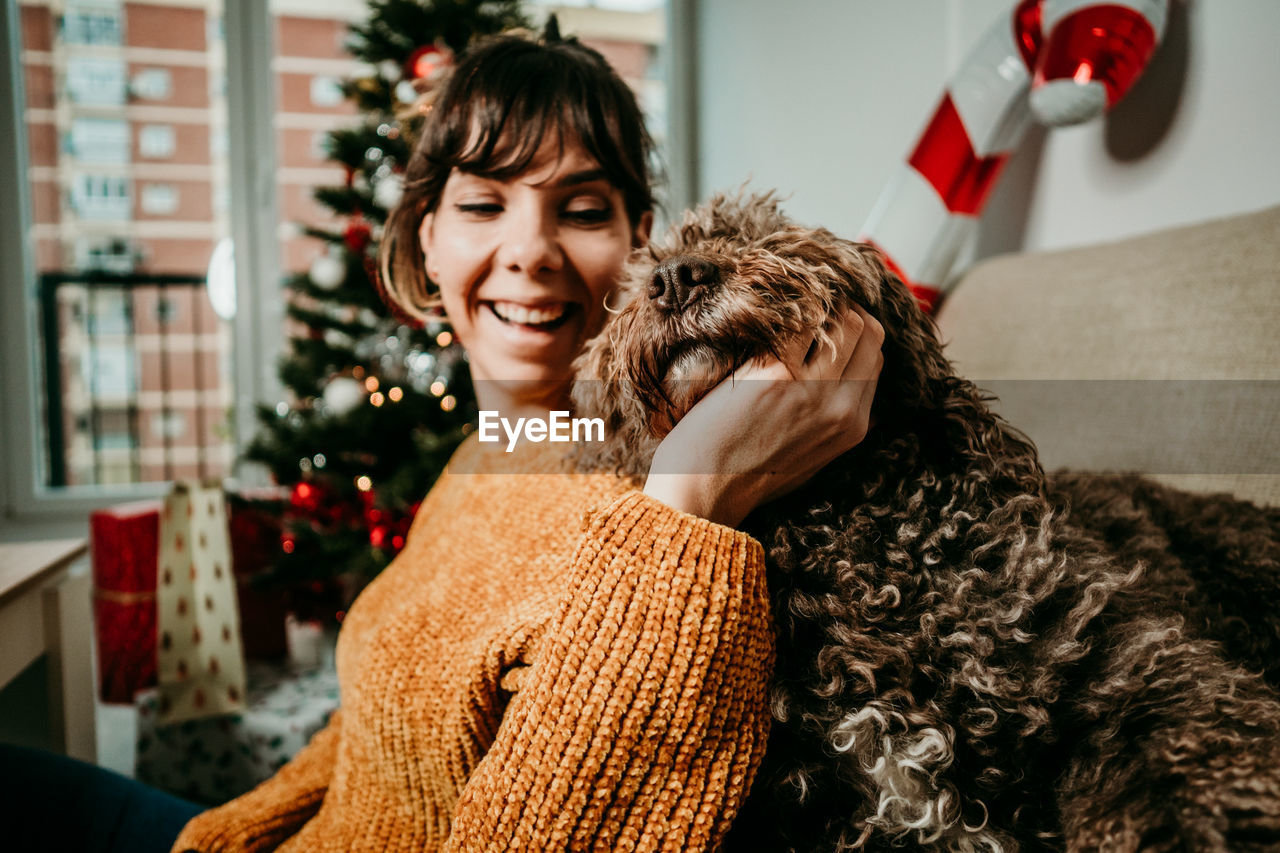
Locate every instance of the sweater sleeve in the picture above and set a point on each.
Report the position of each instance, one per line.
(271, 812)
(645, 716)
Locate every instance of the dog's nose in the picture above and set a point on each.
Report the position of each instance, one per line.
(680, 281)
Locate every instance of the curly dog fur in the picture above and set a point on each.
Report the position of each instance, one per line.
(971, 657)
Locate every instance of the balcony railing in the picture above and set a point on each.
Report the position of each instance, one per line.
(136, 388)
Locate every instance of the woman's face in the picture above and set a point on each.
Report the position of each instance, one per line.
(524, 266)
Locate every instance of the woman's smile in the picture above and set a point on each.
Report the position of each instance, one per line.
(530, 329)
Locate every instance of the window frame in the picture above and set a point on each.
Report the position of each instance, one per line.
(28, 509)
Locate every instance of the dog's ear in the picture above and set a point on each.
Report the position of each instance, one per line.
(913, 354)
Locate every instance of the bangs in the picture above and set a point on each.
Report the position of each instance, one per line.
(546, 95)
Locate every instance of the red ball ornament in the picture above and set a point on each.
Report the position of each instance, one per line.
(379, 534)
(306, 496)
(425, 61)
(357, 236)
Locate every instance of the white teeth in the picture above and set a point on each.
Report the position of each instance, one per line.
(515, 313)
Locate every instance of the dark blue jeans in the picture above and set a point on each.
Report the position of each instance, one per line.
(53, 803)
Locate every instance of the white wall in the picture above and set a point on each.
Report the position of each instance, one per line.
(822, 100)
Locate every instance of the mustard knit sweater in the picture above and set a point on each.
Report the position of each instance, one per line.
(553, 662)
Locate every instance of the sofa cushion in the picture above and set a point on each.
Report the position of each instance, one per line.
(1158, 354)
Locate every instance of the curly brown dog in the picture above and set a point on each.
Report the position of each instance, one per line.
(961, 666)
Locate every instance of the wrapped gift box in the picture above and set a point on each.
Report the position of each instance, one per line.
(124, 548)
(216, 759)
(255, 544)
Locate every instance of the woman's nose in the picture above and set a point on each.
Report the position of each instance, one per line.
(531, 244)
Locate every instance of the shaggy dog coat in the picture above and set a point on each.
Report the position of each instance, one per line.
(964, 663)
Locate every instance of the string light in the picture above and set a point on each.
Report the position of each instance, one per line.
(363, 483)
(395, 395)
(371, 384)
(376, 398)
(448, 403)
(444, 338)
(357, 372)
(437, 388)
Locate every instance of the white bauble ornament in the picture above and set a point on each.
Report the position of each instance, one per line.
(328, 272)
(388, 191)
(337, 339)
(390, 70)
(405, 92)
(288, 230)
(343, 394)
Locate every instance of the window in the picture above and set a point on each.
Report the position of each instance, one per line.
(99, 140)
(94, 81)
(91, 23)
(121, 242)
(156, 141)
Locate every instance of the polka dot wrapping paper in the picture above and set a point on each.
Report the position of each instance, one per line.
(214, 760)
(200, 658)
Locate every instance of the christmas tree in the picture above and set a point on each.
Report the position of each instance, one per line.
(377, 401)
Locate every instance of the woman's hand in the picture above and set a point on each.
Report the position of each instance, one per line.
(768, 428)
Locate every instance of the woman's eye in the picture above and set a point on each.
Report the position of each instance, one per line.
(479, 208)
(588, 214)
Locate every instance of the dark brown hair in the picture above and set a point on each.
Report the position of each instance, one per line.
(505, 98)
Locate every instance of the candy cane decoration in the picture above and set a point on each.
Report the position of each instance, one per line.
(1091, 57)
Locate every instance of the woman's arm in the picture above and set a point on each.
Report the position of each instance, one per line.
(645, 717)
(271, 812)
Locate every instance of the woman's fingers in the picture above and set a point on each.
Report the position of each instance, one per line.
(867, 355)
(848, 348)
(829, 358)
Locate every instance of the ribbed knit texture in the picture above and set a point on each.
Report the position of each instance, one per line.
(554, 662)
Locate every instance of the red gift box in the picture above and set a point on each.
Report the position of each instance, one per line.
(124, 548)
(255, 544)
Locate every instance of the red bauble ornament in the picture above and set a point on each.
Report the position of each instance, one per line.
(425, 61)
(358, 235)
(306, 496)
(379, 534)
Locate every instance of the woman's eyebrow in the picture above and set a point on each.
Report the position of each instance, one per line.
(585, 176)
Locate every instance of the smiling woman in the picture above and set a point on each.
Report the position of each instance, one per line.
(524, 267)
(508, 680)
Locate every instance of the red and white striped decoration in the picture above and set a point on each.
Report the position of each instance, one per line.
(931, 206)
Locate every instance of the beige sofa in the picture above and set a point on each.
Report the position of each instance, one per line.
(1158, 354)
